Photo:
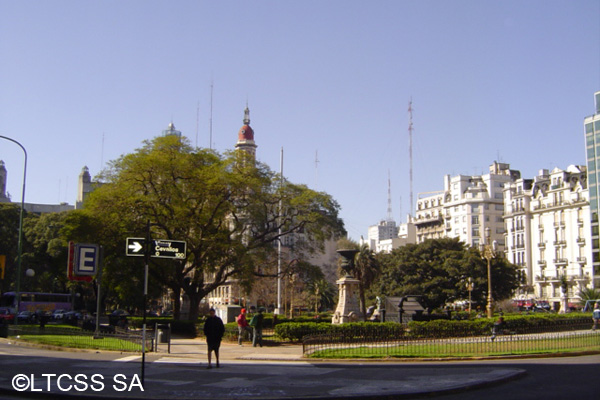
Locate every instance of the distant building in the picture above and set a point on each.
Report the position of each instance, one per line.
(592, 143)
(386, 236)
(171, 131)
(467, 205)
(85, 186)
(231, 292)
(3, 176)
(429, 217)
(548, 233)
(29, 207)
(246, 136)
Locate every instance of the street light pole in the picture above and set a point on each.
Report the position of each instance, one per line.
(489, 252)
(20, 240)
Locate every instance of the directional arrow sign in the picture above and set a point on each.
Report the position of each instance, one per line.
(135, 247)
(159, 248)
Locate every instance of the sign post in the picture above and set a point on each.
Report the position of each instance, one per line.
(159, 248)
(152, 248)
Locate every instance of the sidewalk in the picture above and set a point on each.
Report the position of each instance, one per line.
(196, 348)
(268, 372)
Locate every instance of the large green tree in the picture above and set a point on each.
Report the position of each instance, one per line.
(225, 207)
(438, 270)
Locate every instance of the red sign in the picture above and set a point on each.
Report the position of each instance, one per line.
(71, 260)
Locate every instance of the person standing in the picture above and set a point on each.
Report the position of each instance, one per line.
(213, 330)
(596, 316)
(243, 326)
(257, 326)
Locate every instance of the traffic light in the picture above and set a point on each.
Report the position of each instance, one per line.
(2, 266)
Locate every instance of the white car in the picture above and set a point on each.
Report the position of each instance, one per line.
(58, 314)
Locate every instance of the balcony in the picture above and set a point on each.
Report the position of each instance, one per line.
(560, 224)
(542, 245)
(581, 241)
(428, 219)
(542, 262)
(560, 262)
(560, 243)
(581, 260)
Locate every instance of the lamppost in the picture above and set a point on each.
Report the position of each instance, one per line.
(470, 289)
(488, 251)
(20, 241)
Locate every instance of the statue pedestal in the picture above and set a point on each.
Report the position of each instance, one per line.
(564, 305)
(348, 308)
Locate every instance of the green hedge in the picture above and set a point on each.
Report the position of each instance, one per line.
(295, 331)
(536, 323)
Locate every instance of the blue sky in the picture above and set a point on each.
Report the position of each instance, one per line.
(82, 83)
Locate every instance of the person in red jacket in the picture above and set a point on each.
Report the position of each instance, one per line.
(243, 326)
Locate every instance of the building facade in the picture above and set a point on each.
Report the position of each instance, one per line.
(592, 142)
(467, 205)
(548, 233)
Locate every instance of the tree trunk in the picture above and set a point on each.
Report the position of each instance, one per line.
(194, 310)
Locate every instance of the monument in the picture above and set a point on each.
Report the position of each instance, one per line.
(348, 309)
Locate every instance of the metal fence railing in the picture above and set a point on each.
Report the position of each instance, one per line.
(120, 340)
(460, 344)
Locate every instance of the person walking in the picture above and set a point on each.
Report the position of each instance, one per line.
(596, 316)
(213, 330)
(243, 326)
(257, 327)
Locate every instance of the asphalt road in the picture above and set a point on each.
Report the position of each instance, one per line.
(182, 377)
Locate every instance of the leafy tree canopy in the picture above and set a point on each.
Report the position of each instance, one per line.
(225, 207)
(438, 270)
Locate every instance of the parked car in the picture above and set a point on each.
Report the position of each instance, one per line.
(118, 318)
(58, 314)
(26, 316)
(6, 315)
(71, 317)
(543, 305)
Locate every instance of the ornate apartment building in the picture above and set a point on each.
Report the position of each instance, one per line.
(467, 205)
(548, 233)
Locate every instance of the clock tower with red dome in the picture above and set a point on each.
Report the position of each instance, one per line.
(246, 136)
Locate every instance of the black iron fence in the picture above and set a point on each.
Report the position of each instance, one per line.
(117, 339)
(460, 343)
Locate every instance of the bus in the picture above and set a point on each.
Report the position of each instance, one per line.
(36, 301)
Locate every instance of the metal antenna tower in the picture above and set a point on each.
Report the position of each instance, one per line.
(197, 121)
(211, 115)
(390, 217)
(316, 168)
(410, 155)
(102, 153)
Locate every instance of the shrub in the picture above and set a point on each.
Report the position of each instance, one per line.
(295, 331)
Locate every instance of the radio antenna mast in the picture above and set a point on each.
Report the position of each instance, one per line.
(316, 168)
(211, 115)
(410, 154)
(197, 121)
(390, 217)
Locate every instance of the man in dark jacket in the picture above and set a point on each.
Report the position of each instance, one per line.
(213, 330)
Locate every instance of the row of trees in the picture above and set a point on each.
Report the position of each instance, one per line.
(229, 209)
(437, 269)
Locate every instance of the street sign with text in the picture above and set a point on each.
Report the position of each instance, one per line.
(159, 248)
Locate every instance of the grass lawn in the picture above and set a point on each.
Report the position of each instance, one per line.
(478, 349)
(83, 342)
